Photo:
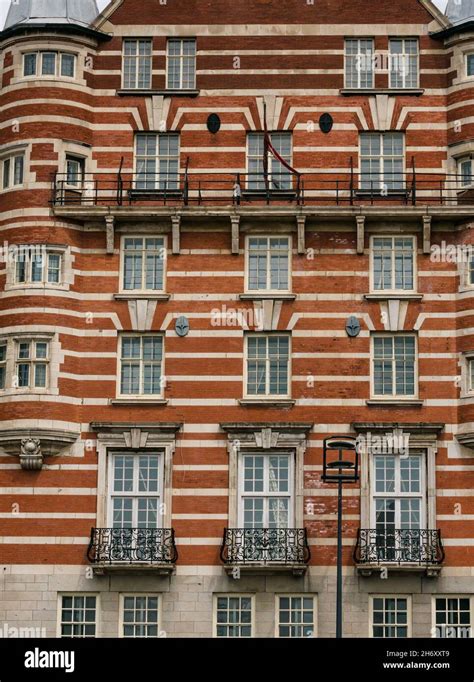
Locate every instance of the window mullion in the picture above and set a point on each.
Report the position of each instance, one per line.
(269, 270)
(267, 368)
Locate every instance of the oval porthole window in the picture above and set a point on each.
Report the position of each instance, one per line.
(325, 123)
(213, 123)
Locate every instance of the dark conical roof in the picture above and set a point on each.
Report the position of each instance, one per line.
(459, 11)
(31, 12)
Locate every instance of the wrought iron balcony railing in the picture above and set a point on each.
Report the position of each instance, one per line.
(132, 546)
(405, 546)
(320, 187)
(265, 546)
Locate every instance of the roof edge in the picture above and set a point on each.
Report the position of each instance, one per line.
(452, 29)
(62, 28)
(435, 12)
(106, 13)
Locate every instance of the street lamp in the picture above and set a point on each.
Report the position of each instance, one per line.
(340, 465)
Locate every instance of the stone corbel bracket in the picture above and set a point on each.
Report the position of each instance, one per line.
(235, 227)
(427, 234)
(33, 445)
(360, 221)
(110, 234)
(176, 235)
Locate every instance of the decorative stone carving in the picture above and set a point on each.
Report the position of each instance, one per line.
(31, 457)
(31, 446)
(266, 439)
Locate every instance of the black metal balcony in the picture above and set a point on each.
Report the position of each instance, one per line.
(266, 547)
(132, 547)
(401, 547)
(323, 187)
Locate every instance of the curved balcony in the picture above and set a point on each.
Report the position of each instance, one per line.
(401, 549)
(266, 550)
(132, 549)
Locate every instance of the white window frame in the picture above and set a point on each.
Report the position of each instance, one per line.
(393, 396)
(392, 289)
(32, 361)
(266, 494)
(397, 494)
(135, 494)
(300, 595)
(164, 252)
(142, 396)
(181, 58)
(390, 596)
(80, 161)
(266, 395)
(157, 180)
(230, 595)
(58, 64)
(470, 597)
(137, 58)
(268, 289)
(383, 179)
(12, 171)
(29, 283)
(59, 621)
(123, 595)
(359, 56)
(274, 166)
(405, 56)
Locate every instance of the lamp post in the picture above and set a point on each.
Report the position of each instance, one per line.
(340, 465)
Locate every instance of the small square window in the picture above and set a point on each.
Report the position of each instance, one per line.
(140, 616)
(78, 616)
(233, 616)
(296, 616)
(390, 617)
(453, 617)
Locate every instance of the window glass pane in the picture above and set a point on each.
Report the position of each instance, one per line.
(24, 350)
(470, 64)
(123, 473)
(29, 64)
(40, 375)
(48, 63)
(54, 268)
(78, 616)
(18, 170)
(23, 375)
(67, 65)
(37, 269)
(6, 173)
(41, 350)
